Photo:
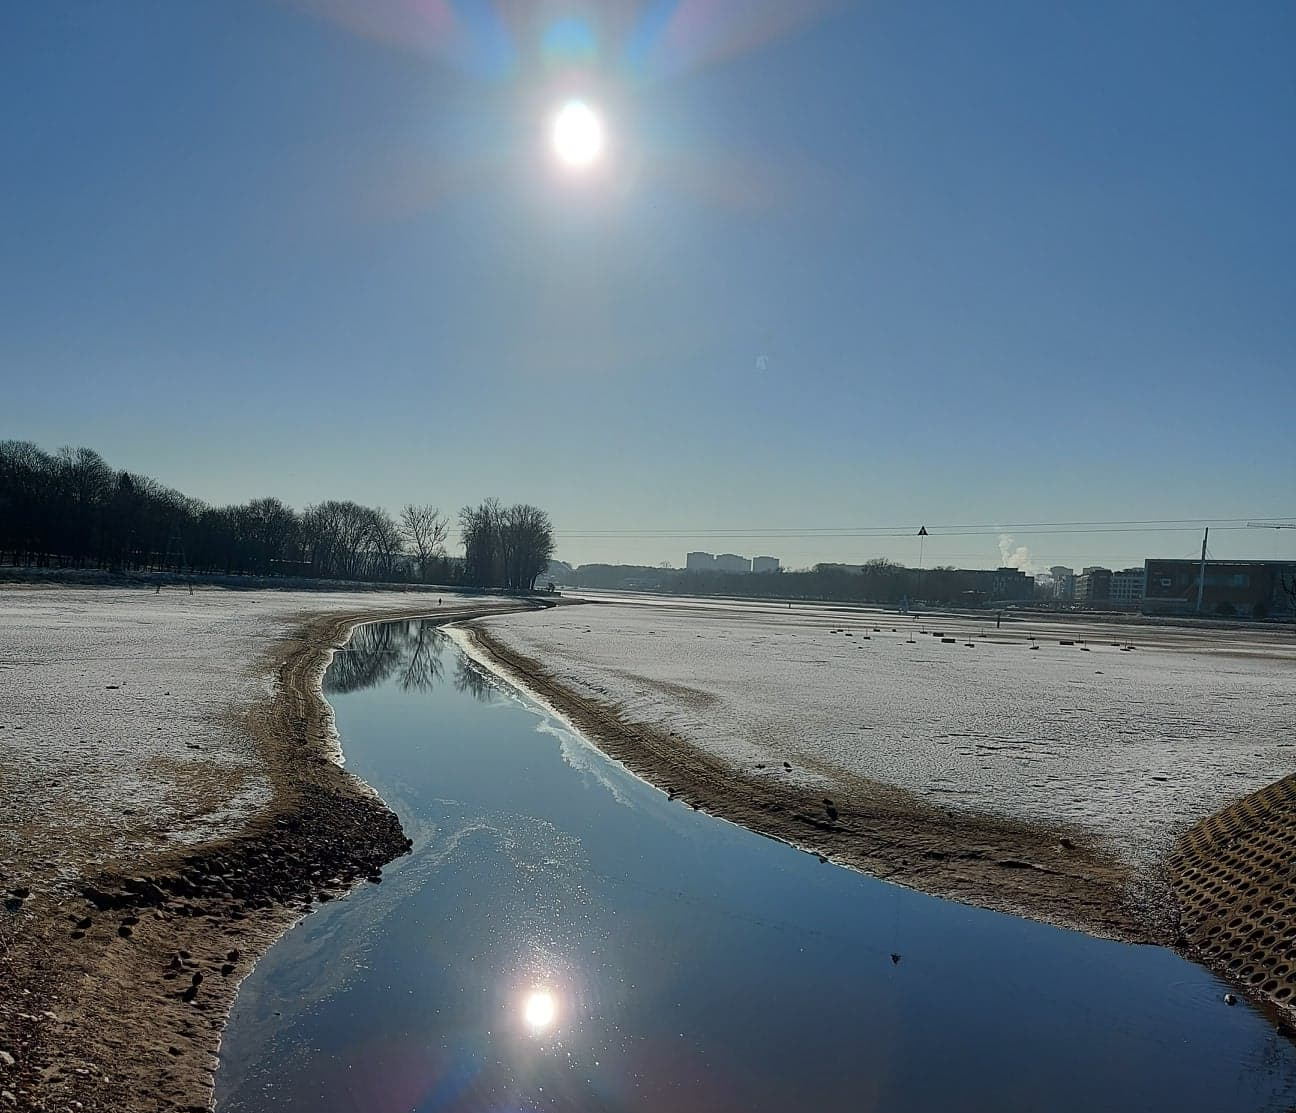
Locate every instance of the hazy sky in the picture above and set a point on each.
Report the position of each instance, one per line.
(879, 265)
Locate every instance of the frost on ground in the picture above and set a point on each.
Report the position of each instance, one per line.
(1131, 746)
(118, 733)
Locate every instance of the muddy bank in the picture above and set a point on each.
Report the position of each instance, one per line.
(114, 990)
(1055, 874)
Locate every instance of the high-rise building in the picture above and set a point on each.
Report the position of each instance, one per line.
(1093, 587)
(1127, 587)
(699, 562)
(765, 564)
(1063, 583)
(732, 562)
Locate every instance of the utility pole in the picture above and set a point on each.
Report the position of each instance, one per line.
(922, 535)
(1201, 576)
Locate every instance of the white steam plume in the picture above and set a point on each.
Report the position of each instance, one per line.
(1018, 557)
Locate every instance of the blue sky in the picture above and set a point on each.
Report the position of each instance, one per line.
(887, 263)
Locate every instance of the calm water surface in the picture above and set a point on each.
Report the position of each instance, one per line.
(564, 937)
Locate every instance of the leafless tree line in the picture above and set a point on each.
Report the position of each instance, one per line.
(71, 509)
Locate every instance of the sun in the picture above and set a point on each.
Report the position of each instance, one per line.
(577, 135)
(539, 1010)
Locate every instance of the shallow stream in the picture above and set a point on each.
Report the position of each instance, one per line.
(563, 936)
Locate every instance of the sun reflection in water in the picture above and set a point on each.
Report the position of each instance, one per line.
(539, 1010)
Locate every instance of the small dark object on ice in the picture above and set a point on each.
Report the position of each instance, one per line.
(895, 959)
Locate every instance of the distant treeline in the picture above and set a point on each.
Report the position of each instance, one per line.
(69, 509)
(877, 581)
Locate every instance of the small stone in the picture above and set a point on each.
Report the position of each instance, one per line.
(227, 969)
(6, 1059)
(125, 931)
(197, 978)
(8, 1098)
(84, 923)
(233, 955)
(22, 892)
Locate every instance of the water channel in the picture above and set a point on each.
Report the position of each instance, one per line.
(564, 937)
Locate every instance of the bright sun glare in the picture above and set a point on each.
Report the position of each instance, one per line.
(539, 1010)
(577, 135)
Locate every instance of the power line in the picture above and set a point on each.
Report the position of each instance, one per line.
(986, 529)
(864, 534)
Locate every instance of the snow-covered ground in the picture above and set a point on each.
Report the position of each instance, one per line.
(118, 709)
(1132, 746)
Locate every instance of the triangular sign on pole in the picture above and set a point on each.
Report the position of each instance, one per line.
(922, 531)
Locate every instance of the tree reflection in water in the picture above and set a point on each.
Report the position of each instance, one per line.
(470, 678)
(410, 650)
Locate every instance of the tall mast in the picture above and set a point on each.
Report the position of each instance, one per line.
(1201, 575)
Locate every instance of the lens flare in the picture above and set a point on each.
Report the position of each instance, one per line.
(577, 135)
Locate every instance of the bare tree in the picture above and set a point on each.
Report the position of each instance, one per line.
(480, 529)
(527, 537)
(424, 529)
